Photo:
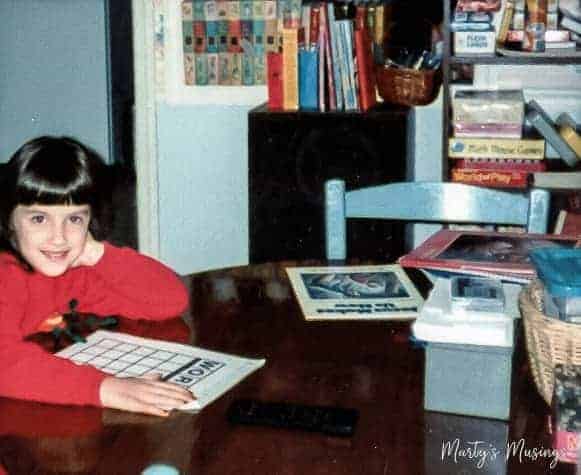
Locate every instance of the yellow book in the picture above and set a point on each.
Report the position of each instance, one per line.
(514, 149)
(290, 69)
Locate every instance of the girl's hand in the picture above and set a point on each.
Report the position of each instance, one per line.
(92, 252)
(148, 395)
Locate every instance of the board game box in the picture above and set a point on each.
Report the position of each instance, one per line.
(483, 253)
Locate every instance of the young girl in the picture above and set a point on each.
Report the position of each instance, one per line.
(52, 208)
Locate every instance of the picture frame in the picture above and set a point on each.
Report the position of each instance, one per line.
(378, 292)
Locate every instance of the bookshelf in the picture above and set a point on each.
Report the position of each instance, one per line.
(292, 154)
(452, 62)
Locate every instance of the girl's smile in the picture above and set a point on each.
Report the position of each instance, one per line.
(51, 237)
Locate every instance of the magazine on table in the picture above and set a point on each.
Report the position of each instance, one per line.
(483, 253)
(381, 292)
(208, 374)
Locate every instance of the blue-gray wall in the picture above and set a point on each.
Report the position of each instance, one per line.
(53, 72)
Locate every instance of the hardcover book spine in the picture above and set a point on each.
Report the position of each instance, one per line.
(201, 58)
(295, 7)
(346, 37)
(306, 23)
(379, 32)
(335, 59)
(274, 78)
(290, 69)
(235, 71)
(314, 25)
(223, 58)
(321, 52)
(328, 72)
(211, 15)
(366, 76)
(213, 68)
(258, 32)
(270, 27)
(246, 25)
(234, 27)
(224, 69)
(188, 42)
(201, 66)
(308, 70)
(212, 40)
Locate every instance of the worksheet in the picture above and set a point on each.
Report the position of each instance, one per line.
(208, 374)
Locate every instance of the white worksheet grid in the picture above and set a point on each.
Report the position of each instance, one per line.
(125, 359)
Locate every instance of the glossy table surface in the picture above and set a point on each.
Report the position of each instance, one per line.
(369, 366)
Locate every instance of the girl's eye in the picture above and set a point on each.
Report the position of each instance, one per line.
(76, 219)
(37, 219)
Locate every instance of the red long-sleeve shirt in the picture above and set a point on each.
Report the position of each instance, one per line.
(123, 282)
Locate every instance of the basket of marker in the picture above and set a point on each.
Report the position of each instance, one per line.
(410, 79)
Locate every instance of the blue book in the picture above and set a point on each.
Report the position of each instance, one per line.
(308, 74)
(211, 15)
(258, 34)
(247, 37)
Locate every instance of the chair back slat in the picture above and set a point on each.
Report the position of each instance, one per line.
(430, 202)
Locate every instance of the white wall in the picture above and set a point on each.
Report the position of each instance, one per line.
(426, 163)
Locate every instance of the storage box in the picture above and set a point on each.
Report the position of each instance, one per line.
(489, 107)
(560, 272)
(468, 379)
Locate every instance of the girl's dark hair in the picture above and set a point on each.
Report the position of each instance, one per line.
(55, 171)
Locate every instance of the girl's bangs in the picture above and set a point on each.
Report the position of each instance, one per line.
(50, 194)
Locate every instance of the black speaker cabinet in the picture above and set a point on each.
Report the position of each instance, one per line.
(291, 154)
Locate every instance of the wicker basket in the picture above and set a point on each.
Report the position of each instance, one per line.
(408, 87)
(549, 341)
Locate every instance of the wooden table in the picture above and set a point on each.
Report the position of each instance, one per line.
(370, 366)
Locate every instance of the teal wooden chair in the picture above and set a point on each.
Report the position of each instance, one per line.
(429, 202)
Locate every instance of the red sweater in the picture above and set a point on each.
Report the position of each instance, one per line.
(123, 283)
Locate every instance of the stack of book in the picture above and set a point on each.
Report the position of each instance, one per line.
(487, 147)
(474, 32)
(327, 57)
(485, 27)
(533, 25)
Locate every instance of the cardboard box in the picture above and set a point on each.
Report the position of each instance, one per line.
(488, 107)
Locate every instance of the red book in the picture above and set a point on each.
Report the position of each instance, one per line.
(328, 70)
(314, 25)
(365, 65)
(199, 28)
(274, 79)
(501, 164)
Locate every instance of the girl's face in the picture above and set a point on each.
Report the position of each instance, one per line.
(51, 237)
